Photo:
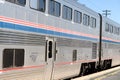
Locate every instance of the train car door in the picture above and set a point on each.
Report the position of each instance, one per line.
(50, 47)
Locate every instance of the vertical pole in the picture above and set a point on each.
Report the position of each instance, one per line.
(100, 43)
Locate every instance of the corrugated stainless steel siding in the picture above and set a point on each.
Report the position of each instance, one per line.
(8, 37)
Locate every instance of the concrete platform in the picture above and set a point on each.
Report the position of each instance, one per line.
(110, 74)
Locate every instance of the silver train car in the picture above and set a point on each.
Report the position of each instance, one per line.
(54, 40)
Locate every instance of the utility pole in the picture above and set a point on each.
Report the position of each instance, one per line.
(106, 12)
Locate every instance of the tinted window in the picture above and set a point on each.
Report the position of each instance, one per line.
(41, 5)
(50, 49)
(86, 19)
(13, 58)
(12, 1)
(19, 57)
(38, 5)
(107, 27)
(19, 2)
(74, 55)
(54, 8)
(67, 13)
(111, 29)
(8, 58)
(93, 22)
(77, 16)
(33, 4)
(116, 30)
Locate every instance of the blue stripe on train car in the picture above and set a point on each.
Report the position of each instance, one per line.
(48, 32)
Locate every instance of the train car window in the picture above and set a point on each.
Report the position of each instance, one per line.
(93, 22)
(12, 1)
(111, 29)
(13, 58)
(115, 30)
(50, 49)
(77, 16)
(74, 55)
(19, 57)
(19, 2)
(118, 32)
(54, 8)
(38, 5)
(42, 5)
(33, 4)
(86, 19)
(107, 27)
(67, 13)
(8, 58)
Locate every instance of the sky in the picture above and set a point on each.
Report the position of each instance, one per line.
(100, 5)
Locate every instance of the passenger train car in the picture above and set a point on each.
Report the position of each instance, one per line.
(54, 39)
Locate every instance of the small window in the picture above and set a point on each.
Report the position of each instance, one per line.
(13, 58)
(111, 29)
(41, 5)
(38, 5)
(118, 31)
(8, 58)
(77, 16)
(67, 13)
(19, 57)
(33, 4)
(107, 27)
(19, 2)
(12, 1)
(115, 30)
(74, 55)
(54, 8)
(50, 49)
(93, 22)
(86, 19)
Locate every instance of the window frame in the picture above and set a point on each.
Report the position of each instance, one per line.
(115, 30)
(74, 55)
(111, 28)
(107, 28)
(38, 6)
(93, 22)
(15, 62)
(76, 19)
(67, 16)
(86, 20)
(54, 8)
(16, 2)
